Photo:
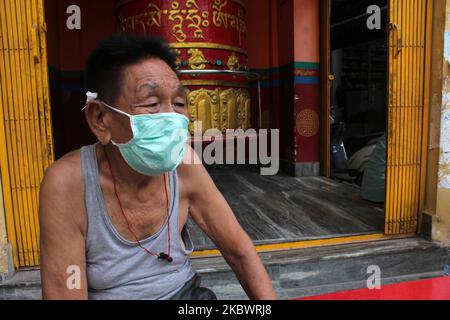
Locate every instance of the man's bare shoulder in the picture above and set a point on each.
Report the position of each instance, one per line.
(191, 166)
(193, 174)
(65, 174)
(62, 193)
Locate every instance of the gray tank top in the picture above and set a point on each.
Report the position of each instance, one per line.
(119, 269)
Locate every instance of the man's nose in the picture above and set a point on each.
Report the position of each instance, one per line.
(167, 107)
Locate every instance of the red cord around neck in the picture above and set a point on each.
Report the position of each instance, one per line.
(161, 255)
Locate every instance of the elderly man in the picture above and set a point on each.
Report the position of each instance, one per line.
(114, 213)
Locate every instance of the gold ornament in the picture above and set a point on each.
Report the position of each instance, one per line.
(220, 109)
(177, 60)
(197, 60)
(233, 62)
(307, 123)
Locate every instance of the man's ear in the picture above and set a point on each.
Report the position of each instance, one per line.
(95, 114)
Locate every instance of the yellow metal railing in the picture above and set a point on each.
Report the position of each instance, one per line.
(409, 38)
(26, 146)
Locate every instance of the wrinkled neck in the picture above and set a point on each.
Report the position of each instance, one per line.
(124, 175)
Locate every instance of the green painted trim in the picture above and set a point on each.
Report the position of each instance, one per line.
(273, 70)
(66, 73)
(315, 66)
(289, 67)
(307, 65)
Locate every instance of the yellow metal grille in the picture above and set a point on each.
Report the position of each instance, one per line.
(407, 112)
(26, 146)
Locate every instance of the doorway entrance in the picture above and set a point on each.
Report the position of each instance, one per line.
(358, 98)
(375, 106)
(374, 118)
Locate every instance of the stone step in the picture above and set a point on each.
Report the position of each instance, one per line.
(301, 272)
(24, 285)
(312, 271)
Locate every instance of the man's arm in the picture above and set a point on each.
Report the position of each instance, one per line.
(61, 239)
(211, 212)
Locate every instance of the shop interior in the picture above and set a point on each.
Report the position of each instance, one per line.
(351, 201)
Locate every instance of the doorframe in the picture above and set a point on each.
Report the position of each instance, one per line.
(325, 87)
(326, 83)
(425, 125)
(426, 116)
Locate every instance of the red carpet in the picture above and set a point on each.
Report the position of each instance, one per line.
(430, 289)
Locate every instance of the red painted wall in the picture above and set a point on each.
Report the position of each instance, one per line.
(307, 37)
(68, 49)
(67, 52)
(283, 45)
(307, 107)
(259, 28)
(262, 44)
(286, 79)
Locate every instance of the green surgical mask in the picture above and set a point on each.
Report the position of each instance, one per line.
(158, 144)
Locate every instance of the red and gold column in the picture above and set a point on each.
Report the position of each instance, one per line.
(206, 35)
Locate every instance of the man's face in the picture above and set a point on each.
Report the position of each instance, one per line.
(148, 87)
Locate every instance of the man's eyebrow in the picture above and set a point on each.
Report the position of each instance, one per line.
(183, 89)
(151, 86)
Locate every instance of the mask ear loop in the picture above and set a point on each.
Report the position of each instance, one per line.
(116, 110)
(130, 117)
(92, 96)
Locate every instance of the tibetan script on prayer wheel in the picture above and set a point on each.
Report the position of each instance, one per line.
(207, 35)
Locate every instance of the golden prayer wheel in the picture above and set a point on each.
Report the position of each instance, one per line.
(209, 37)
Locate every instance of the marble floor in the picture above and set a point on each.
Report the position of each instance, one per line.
(281, 208)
